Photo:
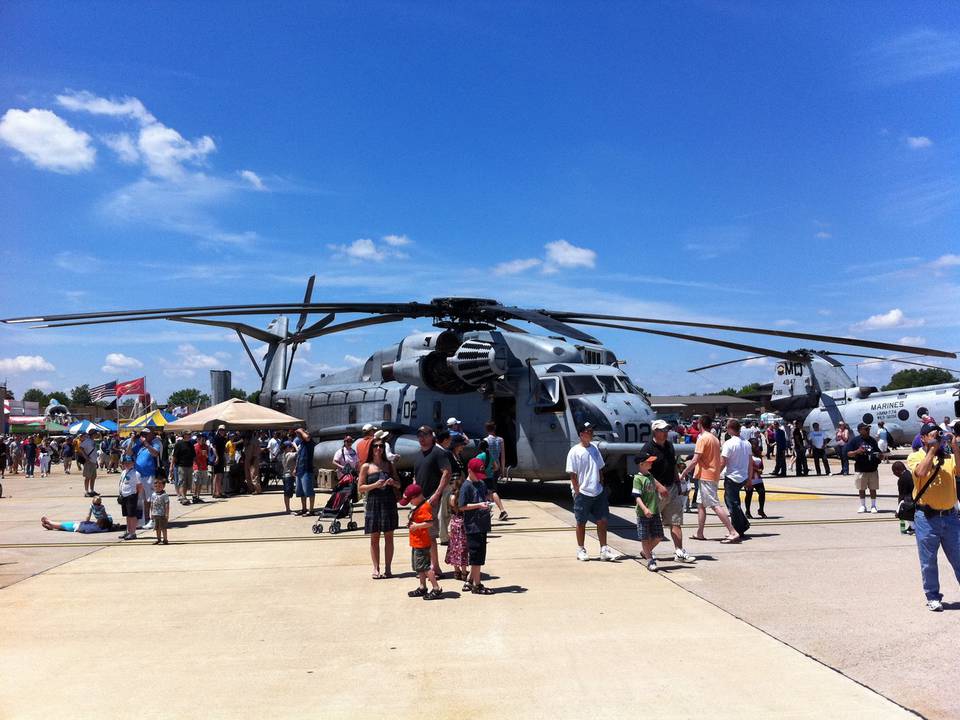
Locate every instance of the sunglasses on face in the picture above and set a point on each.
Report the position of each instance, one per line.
(377, 447)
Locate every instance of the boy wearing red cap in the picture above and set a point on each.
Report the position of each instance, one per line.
(476, 522)
(419, 522)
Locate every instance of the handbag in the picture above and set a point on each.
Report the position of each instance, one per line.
(907, 508)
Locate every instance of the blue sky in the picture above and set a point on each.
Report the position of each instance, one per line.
(762, 164)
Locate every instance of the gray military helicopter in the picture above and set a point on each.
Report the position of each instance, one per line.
(813, 387)
(476, 365)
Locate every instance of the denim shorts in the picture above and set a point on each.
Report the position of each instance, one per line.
(288, 484)
(587, 508)
(305, 485)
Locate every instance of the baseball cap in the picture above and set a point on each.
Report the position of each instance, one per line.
(425, 430)
(585, 427)
(368, 427)
(410, 493)
(478, 468)
(660, 425)
(644, 456)
(452, 421)
(929, 428)
(221, 427)
(458, 439)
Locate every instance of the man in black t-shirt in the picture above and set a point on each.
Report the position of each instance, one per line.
(866, 454)
(431, 470)
(664, 471)
(219, 443)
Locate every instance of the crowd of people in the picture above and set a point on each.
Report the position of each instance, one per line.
(451, 499)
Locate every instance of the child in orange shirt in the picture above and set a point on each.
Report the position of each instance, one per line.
(419, 522)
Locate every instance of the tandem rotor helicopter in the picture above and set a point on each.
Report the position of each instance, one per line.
(476, 365)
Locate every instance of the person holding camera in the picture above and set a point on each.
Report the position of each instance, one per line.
(936, 523)
(866, 459)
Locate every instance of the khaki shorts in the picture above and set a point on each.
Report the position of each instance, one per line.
(707, 496)
(671, 506)
(867, 480)
(90, 470)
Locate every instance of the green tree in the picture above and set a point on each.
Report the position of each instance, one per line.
(35, 395)
(727, 391)
(748, 389)
(59, 396)
(188, 396)
(238, 393)
(80, 395)
(254, 397)
(918, 378)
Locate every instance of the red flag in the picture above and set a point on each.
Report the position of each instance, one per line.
(132, 387)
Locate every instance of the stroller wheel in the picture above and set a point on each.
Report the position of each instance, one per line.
(317, 529)
(351, 525)
(335, 527)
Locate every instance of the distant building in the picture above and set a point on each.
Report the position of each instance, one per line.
(686, 406)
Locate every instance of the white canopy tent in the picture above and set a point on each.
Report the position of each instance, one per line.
(235, 414)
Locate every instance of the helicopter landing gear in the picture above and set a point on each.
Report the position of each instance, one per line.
(620, 484)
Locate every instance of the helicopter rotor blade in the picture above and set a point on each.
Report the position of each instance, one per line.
(728, 362)
(877, 358)
(793, 356)
(545, 321)
(254, 332)
(319, 325)
(306, 301)
(576, 318)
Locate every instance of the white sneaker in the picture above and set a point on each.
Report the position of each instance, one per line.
(608, 553)
(652, 565)
(148, 526)
(874, 509)
(934, 605)
(862, 509)
(683, 556)
(582, 554)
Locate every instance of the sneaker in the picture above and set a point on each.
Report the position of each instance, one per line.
(608, 553)
(874, 509)
(503, 516)
(148, 526)
(434, 594)
(683, 556)
(934, 605)
(582, 554)
(129, 536)
(862, 509)
(197, 500)
(652, 565)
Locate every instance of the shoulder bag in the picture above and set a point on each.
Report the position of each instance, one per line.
(907, 508)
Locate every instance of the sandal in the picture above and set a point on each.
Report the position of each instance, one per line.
(481, 589)
(697, 537)
(377, 576)
(730, 541)
(387, 575)
(467, 587)
(434, 594)
(419, 592)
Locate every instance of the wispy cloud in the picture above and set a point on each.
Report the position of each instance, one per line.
(925, 200)
(894, 318)
(916, 55)
(514, 267)
(558, 255)
(919, 142)
(368, 250)
(256, 182)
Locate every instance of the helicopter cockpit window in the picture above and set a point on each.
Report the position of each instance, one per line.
(548, 396)
(610, 384)
(628, 384)
(581, 385)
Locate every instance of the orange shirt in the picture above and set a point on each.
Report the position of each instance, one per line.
(708, 448)
(362, 446)
(420, 537)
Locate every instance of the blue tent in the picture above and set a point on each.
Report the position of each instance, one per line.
(85, 426)
(110, 425)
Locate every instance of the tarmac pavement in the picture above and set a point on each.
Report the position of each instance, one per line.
(248, 612)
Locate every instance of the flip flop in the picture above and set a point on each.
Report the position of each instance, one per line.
(697, 537)
(730, 541)
(377, 576)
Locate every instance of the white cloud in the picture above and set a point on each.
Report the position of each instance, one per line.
(77, 262)
(912, 340)
(823, 235)
(353, 360)
(892, 319)
(947, 261)
(757, 362)
(85, 101)
(561, 254)
(365, 249)
(513, 267)
(255, 181)
(919, 142)
(165, 151)
(25, 363)
(187, 360)
(47, 141)
(118, 362)
(124, 146)
(44, 385)
(785, 323)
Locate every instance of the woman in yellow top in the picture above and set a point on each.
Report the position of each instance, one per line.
(935, 522)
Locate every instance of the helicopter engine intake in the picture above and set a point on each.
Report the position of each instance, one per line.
(477, 362)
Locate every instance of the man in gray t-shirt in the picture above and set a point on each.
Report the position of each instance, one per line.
(431, 470)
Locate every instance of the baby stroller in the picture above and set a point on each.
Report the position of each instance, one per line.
(338, 507)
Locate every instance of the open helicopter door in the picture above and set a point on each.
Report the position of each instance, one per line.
(505, 416)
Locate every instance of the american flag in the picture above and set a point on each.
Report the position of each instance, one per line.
(106, 390)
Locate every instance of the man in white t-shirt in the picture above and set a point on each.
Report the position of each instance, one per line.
(818, 444)
(88, 453)
(590, 501)
(736, 457)
(748, 431)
